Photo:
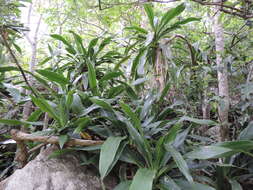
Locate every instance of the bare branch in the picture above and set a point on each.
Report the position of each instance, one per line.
(20, 136)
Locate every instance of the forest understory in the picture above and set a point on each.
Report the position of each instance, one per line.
(158, 93)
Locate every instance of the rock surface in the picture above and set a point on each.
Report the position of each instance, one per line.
(63, 173)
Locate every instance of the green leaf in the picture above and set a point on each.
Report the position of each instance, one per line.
(164, 92)
(247, 133)
(79, 43)
(134, 118)
(110, 76)
(242, 145)
(235, 185)
(137, 29)
(150, 13)
(34, 116)
(185, 21)
(180, 162)
(81, 123)
(104, 43)
(60, 38)
(143, 179)
(59, 153)
(53, 76)
(17, 48)
(10, 68)
(102, 103)
(76, 105)
(209, 152)
(136, 61)
(172, 13)
(45, 61)
(198, 121)
(168, 184)
(115, 91)
(18, 122)
(195, 186)
(69, 99)
(108, 154)
(124, 185)
(62, 140)
(44, 106)
(92, 78)
(91, 46)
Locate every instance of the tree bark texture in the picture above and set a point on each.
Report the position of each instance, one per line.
(222, 75)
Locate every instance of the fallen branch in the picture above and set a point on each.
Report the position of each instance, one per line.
(21, 136)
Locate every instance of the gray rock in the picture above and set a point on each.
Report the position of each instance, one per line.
(62, 173)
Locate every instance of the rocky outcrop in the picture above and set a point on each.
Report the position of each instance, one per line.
(62, 173)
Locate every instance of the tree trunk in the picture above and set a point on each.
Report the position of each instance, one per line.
(222, 75)
(33, 43)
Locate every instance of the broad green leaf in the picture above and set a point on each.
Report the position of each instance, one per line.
(164, 92)
(209, 152)
(185, 21)
(92, 78)
(247, 133)
(168, 184)
(242, 145)
(117, 65)
(62, 140)
(124, 185)
(134, 118)
(91, 46)
(110, 76)
(34, 116)
(180, 162)
(62, 39)
(79, 43)
(76, 105)
(63, 111)
(172, 13)
(9, 68)
(69, 99)
(104, 43)
(53, 76)
(45, 61)
(102, 103)
(235, 185)
(115, 91)
(137, 29)
(108, 154)
(46, 107)
(198, 121)
(136, 61)
(195, 186)
(150, 13)
(81, 123)
(143, 179)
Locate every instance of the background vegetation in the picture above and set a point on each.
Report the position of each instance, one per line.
(167, 85)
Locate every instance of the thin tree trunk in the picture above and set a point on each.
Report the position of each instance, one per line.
(33, 43)
(159, 70)
(222, 75)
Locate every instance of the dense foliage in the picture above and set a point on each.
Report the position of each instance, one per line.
(143, 90)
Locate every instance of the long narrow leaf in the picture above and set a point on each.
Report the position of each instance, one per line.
(181, 163)
(108, 154)
(143, 179)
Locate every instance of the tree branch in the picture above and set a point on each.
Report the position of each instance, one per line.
(21, 136)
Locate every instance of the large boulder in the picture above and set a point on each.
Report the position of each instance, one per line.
(62, 173)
